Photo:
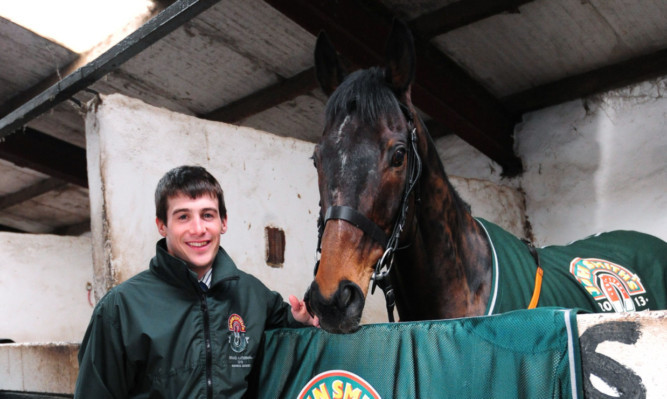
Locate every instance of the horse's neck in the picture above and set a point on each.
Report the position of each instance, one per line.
(446, 272)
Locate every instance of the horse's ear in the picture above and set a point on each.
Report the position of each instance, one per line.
(327, 67)
(400, 58)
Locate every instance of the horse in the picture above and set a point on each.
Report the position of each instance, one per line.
(389, 215)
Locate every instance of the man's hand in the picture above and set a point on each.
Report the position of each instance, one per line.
(300, 312)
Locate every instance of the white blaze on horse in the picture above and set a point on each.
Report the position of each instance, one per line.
(390, 217)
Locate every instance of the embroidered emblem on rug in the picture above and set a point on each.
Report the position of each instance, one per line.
(338, 384)
(614, 287)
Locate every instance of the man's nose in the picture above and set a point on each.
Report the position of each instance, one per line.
(197, 225)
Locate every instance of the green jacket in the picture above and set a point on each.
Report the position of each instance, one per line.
(159, 335)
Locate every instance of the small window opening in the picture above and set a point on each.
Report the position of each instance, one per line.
(275, 246)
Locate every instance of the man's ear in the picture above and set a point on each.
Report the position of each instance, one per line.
(224, 225)
(161, 227)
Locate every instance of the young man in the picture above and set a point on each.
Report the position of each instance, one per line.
(189, 326)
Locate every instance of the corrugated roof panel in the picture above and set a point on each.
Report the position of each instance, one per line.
(640, 29)
(301, 118)
(510, 53)
(207, 66)
(15, 178)
(27, 58)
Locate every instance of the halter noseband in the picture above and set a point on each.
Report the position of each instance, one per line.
(380, 277)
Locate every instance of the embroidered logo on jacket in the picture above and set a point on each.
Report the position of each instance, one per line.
(338, 384)
(614, 287)
(237, 339)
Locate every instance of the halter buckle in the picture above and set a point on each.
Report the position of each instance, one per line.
(379, 276)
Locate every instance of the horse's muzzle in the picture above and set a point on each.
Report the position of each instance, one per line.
(342, 312)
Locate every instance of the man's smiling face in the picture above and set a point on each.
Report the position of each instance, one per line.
(193, 230)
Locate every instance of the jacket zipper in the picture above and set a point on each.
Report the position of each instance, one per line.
(207, 343)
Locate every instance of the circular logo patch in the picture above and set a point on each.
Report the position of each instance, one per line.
(614, 287)
(338, 384)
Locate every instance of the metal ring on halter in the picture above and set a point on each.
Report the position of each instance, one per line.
(378, 274)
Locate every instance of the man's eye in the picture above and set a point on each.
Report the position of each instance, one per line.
(182, 217)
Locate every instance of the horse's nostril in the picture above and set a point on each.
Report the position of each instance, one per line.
(346, 296)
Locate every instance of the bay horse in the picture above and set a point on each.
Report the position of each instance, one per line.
(389, 215)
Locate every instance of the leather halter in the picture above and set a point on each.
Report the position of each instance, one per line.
(380, 277)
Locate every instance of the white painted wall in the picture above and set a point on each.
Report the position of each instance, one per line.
(43, 287)
(591, 165)
(268, 181)
(597, 164)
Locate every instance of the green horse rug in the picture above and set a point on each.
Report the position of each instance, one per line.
(617, 271)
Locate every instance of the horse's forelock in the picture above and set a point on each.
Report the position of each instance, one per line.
(364, 94)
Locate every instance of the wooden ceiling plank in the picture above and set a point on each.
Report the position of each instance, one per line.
(30, 192)
(442, 89)
(156, 28)
(607, 78)
(46, 154)
(460, 13)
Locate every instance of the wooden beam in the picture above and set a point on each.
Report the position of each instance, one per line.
(46, 154)
(288, 89)
(155, 29)
(606, 78)
(461, 13)
(9, 229)
(442, 89)
(74, 229)
(30, 192)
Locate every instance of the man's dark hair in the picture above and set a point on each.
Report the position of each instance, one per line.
(193, 181)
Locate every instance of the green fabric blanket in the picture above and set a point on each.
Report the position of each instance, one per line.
(522, 354)
(608, 272)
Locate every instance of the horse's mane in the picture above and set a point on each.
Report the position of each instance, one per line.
(364, 93)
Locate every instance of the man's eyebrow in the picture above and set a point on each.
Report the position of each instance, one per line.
(178, 210)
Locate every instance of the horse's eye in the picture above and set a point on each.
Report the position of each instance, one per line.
(398, 157)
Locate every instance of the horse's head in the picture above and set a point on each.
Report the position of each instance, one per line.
(363, 164)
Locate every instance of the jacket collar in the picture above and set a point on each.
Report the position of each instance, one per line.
(175, 271)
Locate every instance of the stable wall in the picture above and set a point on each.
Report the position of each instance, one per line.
(43, 287)
(268, 181)
(591, 165)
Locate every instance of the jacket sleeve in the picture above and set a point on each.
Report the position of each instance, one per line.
(102, 371)
(279, 313)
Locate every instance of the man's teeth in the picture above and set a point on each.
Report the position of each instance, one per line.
(198, 244)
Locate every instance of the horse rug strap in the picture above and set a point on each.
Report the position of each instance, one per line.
(471, 357)
(538, 275)
(616, 271)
